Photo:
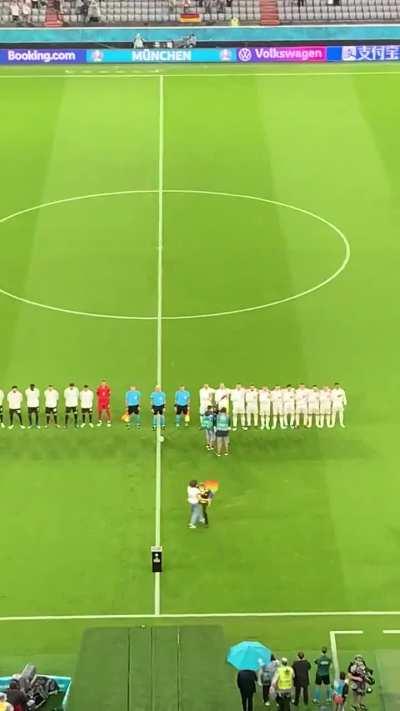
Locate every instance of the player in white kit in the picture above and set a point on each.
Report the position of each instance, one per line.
(313, 406)
(222, 397)
(32, 395)
(252, 405)
(325, 406)
(302, 405)
(339, 402)
(238, 406)
(71, 398)
(264, 403)
(86, 397)
(289, 406)
(2, 425)
(14, 399)
(51, 396)
(206, 395)
(277, 407)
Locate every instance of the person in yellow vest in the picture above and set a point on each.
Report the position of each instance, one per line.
(4, 705)
(282, 685)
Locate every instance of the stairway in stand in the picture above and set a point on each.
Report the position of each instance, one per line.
(52, 15)
(269, 12)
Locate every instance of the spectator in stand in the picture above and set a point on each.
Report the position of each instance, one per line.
(14, 9)
(26, 13)
(4, 705)
(16, 696)
(234, 22)
(93, 14)
(301, 668)
(221, 5)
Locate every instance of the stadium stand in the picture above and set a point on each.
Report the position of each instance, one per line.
(34, 15)
(321, 11)
(122, 12)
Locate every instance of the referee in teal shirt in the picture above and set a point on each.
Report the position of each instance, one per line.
(182, 404)
(132, 402)
(158, 400)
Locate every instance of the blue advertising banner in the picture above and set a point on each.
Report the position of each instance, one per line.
(42, 56)
(160, 56)
(364, 53)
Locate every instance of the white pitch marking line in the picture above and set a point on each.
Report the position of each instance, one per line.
(391, 631)
(277, 302)
(206, 75)
(202, 615)
(335, 657)
(157, 581)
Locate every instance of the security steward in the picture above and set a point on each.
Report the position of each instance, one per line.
(282, 684)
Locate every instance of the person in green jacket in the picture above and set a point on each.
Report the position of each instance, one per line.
(222, 427)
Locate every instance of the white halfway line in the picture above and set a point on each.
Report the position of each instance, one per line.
(157, 581)
(201, 615)
(391, 631)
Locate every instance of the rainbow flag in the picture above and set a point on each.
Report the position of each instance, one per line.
(212, 485)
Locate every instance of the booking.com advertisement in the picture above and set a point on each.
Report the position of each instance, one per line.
(232, 55)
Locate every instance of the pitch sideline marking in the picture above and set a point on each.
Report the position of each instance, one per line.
(233, 615)
(231, 312)
(157, 581)
(391, 631)
(137, 75)
(335, 657)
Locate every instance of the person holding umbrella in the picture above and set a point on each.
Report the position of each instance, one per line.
(246, 681)
(247, 657)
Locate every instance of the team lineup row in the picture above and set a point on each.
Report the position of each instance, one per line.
(289, 406)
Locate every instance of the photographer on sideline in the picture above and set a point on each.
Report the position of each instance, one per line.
(360, 681)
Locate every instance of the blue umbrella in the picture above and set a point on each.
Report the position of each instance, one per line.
(249, 655)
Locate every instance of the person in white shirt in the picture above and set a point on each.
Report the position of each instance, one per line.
(313, 406)
(325, 406)
(32, 395)
(86, 397)
(289, 406)
(206, 399)
(14, 399)
(51, 396)
(193, 497)
(2, 425)
(252, 405)
(238, 406)
(222, 397)
(301, 405)
(339, 402)
(277, 407)
(71, 397)
(14, 9)
(264, 401)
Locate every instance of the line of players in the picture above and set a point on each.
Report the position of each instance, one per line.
(288, 406)
(73, 399)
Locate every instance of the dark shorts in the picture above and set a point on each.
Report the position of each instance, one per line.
(51, 410)
(322, 680)
(86, 410)
(222, 433)
(33, 409)
(1, 409)
(133, 409)
(158, 409)
(71, 409)
(182, 409)
(17, 411)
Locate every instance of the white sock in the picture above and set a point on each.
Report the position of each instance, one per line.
(243, 420)
(234, 421)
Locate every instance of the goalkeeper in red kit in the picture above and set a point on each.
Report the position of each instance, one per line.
(103, 393)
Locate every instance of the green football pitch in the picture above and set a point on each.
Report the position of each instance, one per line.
(195, 226)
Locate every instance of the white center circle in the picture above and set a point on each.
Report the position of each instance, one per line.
(337, 232)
